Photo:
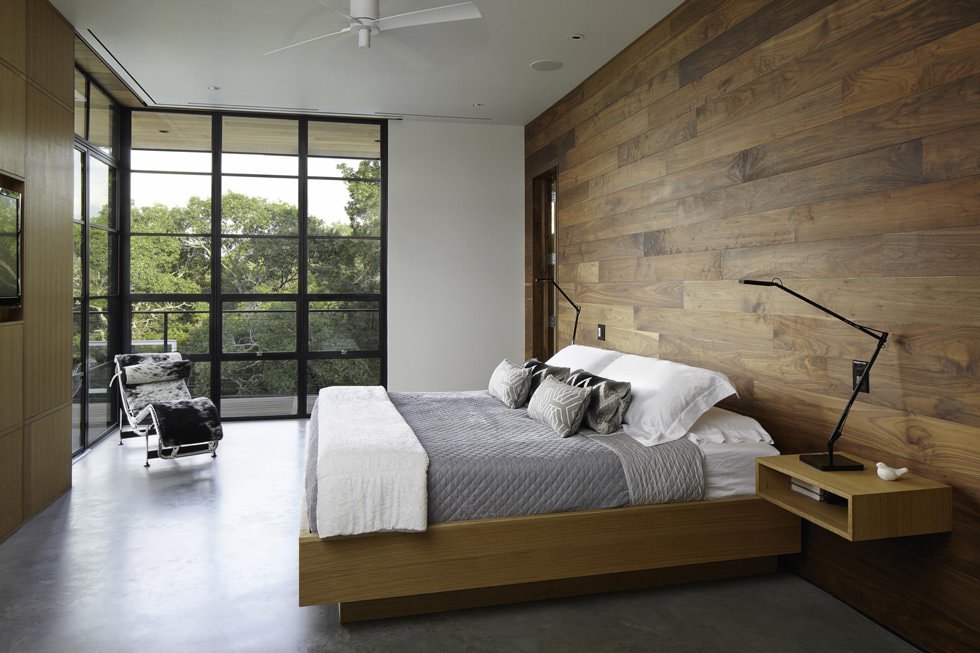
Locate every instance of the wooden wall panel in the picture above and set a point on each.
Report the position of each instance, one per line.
(11, 481)
(13, 33)
(47, 459)
(13, 121)
(50, 51)
(11, 375)
(836, 145)
(47, 256)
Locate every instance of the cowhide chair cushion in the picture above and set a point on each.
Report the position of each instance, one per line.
(187, 421)
(142, 373)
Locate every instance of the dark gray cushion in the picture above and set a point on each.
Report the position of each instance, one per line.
(540, 371)
(608, 403)
(559, 405)
(510, 384)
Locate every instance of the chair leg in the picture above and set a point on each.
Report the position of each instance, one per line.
(147, 463)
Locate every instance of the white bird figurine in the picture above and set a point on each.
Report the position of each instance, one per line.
(887, 473)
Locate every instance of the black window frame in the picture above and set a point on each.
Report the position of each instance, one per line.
(302, 299)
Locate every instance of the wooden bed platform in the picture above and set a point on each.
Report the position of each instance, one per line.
(466, 564)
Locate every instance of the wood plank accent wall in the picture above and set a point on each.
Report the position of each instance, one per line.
(36, 87)
(836, 145)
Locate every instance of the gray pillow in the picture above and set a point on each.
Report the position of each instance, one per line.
(559, 405)
(540, 371)
(510, 384)
(608, 403)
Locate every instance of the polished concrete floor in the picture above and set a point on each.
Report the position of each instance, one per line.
(200, 555)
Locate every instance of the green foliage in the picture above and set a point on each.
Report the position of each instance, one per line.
(348, 261)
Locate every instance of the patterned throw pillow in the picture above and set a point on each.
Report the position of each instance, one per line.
(540, 371)
(559, 405)
(510, 384)
(608, 403)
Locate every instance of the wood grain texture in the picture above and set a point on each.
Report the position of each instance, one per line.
(12, 377)
(13, 121)
(838, 148)
(11, 481)
(47, 460)
(463, 555)
(47, 256)
(50, 51)
(13, 33)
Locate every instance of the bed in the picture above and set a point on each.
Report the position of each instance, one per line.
(550, 517)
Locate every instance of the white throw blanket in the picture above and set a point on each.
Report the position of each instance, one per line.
(371, 468)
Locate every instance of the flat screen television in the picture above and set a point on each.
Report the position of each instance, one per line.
(10, 244)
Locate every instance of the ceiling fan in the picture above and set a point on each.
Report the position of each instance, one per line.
(365, 20)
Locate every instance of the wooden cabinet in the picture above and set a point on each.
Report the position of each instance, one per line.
(11, 481)
(13, 33)
(13, 121)
(869, 508)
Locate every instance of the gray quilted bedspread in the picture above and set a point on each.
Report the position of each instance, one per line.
(487, 460)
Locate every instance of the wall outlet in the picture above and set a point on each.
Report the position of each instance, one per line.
(601, 332)
(857, 369)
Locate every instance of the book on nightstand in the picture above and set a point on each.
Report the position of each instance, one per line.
(815, 492)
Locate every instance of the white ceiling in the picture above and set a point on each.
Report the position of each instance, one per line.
(174, 49)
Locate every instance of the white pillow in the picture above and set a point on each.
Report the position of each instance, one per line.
(723, 426)
(581, 357)
(668, 397)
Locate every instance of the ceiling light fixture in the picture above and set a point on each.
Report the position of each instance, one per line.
(576, 36)
(546, 65)
(477, 105)
(214, 88)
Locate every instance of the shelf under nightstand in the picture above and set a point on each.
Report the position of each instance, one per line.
(874, 508)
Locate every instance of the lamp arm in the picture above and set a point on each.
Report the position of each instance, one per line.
(850, 402)
(874, 333)
(578, 309)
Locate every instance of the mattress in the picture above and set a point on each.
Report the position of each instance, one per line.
(488, 461)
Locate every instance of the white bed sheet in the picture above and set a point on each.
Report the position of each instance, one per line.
(729, 467)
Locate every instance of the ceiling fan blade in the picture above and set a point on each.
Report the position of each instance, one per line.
(315, 38)
(445, 14)
(334, 9)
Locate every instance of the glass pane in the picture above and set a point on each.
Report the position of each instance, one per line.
(81, 105)
(181, 132)
(98, 332)
(170, 204)
(260, 164)
(100, 194)
(78, 198)
(76, 273)
(102, 121)
(77, 376)
(199, 382)
(344, 326)
(344, 208)
(344, 139)
(259, 265)
(100, 262)
(170, 264)
(260, 136)
(170, 326)
(348, 371)
(257, 327)
(99, 415)
(171, 161)
(345, 265)
(258, 388)
(333, 167)
(255, 206)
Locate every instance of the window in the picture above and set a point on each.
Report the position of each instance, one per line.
(95, 305)
(277, 289)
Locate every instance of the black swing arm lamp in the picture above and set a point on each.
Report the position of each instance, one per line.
(578, 309)
(829, 461)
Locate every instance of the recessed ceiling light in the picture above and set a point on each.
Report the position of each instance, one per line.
(576, 36)
(477, 105)
(546, 65)
(214, 88)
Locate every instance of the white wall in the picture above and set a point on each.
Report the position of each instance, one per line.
(455, 253)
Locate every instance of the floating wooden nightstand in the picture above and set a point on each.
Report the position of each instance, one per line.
(870, 509)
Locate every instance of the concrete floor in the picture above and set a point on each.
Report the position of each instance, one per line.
(200, 555)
